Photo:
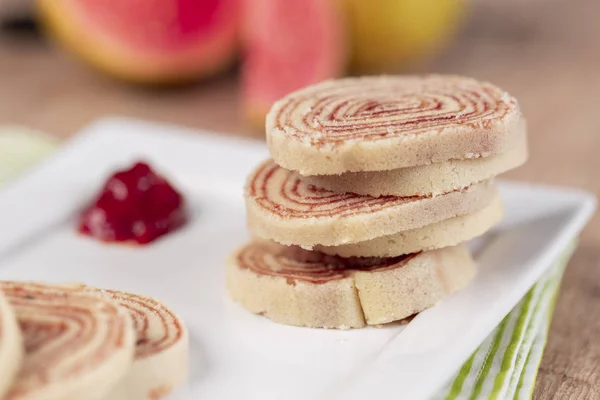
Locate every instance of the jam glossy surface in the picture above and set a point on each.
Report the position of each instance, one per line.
(135, 205)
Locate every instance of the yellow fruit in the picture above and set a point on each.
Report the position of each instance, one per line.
(388, 34)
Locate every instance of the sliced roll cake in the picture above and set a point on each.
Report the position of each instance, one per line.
(282, 206)
(446, 233)
(390, 122)
(11, 345)
(161, 362)
(426, 180)
(77, 345)
(306, 288)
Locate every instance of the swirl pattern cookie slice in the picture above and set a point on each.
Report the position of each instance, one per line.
(305, 288)
(77, 346)
(161, 361)
(283, 207)
(425, 180)
(11, 346)
(446, 233)
(383, 123)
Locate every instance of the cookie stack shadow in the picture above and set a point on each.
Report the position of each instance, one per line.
(374, 186)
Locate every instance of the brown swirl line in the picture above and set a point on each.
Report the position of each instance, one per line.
(141, 309)
(55, 330)
(301, 200)
(2, 328)
(297, 264)
(374, 109)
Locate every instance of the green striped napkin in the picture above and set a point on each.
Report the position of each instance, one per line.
(503, 367)
(20, 148)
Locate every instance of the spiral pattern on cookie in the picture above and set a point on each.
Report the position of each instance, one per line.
(157, 327)
(66, 333)
(286, 194)
(3, 305)
(297, 264)
(377, 108)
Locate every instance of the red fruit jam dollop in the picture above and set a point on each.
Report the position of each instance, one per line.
(135, 205)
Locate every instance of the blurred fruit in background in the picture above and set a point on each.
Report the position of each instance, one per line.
(284, 44)
(150, 41)
(288, 44)
(387, 35)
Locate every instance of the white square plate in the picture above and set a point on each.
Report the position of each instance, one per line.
(236, 354)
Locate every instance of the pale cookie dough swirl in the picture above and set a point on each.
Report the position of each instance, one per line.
(162, 348)
(11, 345)
(442, 234)
(303, 288)
(425, 180)
(286, 194)
(297, 264)
(157, 327)
(358, 124)
(282, 206)
(74, 343)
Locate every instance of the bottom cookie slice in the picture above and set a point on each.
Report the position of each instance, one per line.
(299, 287)
(161, 362)
(11, 346)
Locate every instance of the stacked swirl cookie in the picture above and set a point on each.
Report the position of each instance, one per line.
(77, 342)
(374, 185)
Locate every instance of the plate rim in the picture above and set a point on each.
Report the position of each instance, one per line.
(582, 203)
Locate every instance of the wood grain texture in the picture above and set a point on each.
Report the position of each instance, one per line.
(545, 52)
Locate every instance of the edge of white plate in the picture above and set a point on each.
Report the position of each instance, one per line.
(382, 377)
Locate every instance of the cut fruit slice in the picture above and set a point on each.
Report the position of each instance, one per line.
(288, 45)
(306, 288)
(162, 340)
(11, 346)
(77, 345)
(155, 41)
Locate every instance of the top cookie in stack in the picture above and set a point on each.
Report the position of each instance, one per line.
(387, 123)
(364, 158)
(378, 167)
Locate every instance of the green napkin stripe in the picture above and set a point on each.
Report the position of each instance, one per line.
(532, 334)
(460, 379)
(529, 321)
(487, 381)
(535, 355)
(507, 336)
(526, 309)
(521, 378)
(526, 342)
(528, 335)
(20, 148)
(514, 343)
(530, 369)
(488, 361)
(489, 358)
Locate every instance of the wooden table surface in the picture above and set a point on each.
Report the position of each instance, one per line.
(545, 52)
